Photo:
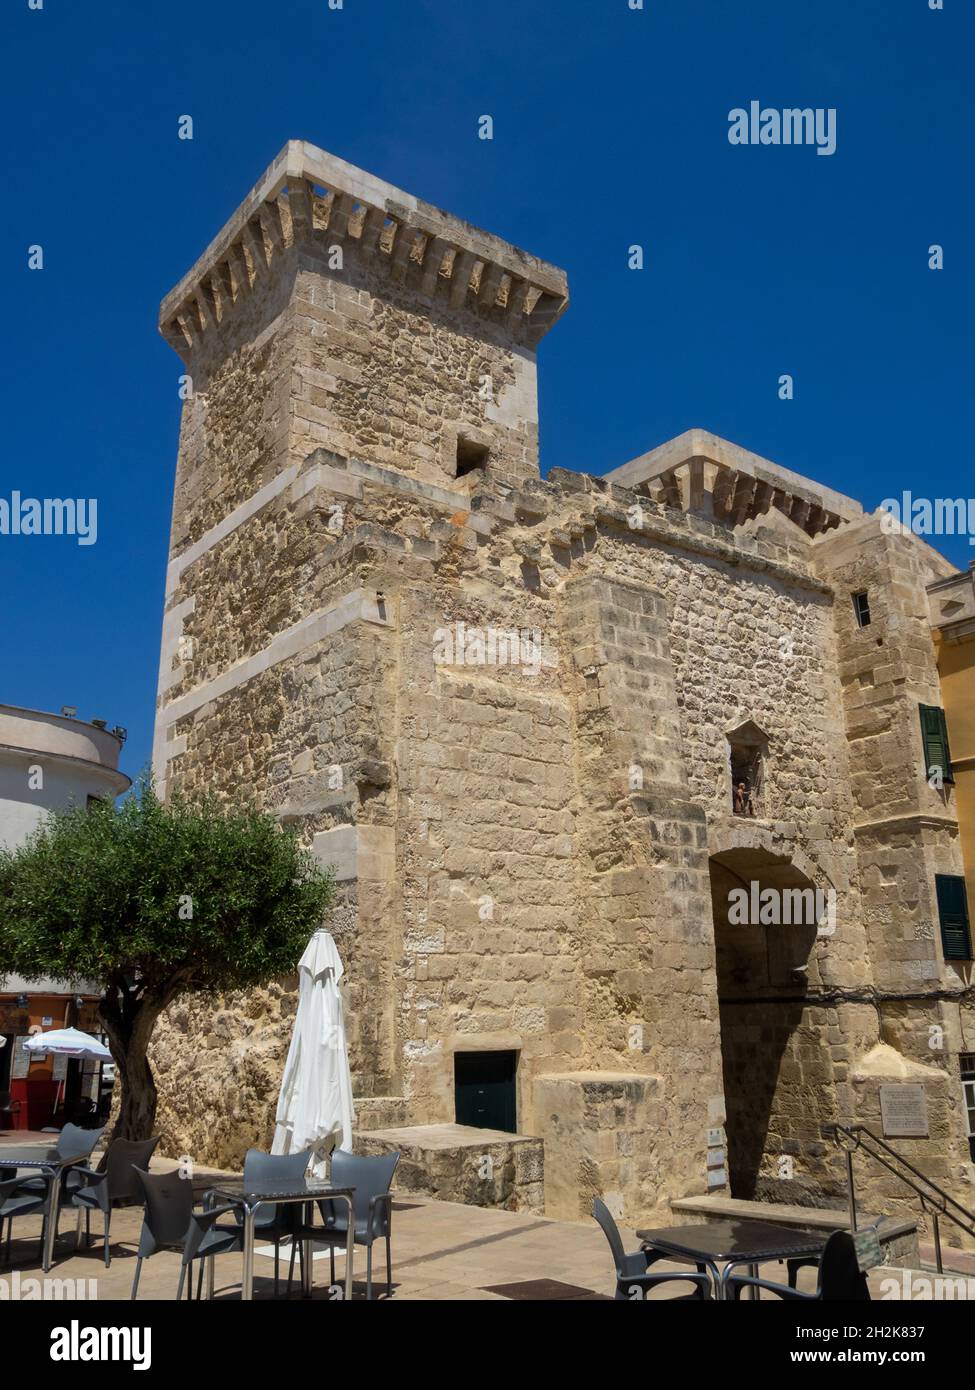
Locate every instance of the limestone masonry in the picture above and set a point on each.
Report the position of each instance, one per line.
(513, 713)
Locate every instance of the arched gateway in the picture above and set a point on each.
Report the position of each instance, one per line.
(778, 1081)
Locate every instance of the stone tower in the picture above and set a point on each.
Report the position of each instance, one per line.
(511, 713)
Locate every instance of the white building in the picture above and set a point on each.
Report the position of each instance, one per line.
(49, 762)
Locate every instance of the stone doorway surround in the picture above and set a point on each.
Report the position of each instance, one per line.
(778, 1082)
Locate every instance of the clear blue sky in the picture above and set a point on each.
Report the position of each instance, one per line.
(610, 129)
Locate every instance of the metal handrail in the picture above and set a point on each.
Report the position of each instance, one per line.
(934, 1202)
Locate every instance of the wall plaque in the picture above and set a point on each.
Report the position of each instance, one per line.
(904, 1112)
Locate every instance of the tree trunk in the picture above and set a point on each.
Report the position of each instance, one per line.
(129, 1029)
(137, 1108)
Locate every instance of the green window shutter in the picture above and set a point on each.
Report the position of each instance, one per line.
(944, 740)
(956, 939)
(934, 734)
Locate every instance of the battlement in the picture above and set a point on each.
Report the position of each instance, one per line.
(699, 472)
(307, 195)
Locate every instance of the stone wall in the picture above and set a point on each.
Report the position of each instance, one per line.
(381, 377)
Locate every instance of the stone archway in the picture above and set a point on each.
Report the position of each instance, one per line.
(778, 1080)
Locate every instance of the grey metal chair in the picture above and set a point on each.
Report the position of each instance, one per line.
(170, 1223)
(840, 1278)
(274, 1222)
(631, 1270)
(115, 1186)
(73, 1142)
(372, 1210)
(15, 1203)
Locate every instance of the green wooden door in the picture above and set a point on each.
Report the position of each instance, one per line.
(484, 1090)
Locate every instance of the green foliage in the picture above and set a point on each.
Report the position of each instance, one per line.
(178, 896)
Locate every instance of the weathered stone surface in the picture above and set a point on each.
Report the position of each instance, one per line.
(483, 1167)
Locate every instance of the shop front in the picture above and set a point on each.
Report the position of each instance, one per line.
(46, 1092)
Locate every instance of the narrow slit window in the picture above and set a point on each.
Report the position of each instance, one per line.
(861, 607)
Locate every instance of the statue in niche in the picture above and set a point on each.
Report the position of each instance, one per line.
(744, 804)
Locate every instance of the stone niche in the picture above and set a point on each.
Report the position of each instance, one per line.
(747, 756)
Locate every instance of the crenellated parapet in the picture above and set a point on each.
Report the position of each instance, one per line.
(698, 472)
(308, 197)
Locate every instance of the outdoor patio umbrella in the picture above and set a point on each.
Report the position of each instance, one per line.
(67, 1042)
(315, 1104)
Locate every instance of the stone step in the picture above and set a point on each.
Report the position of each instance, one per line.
(958, 1261)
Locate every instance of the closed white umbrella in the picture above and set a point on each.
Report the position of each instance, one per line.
(315, 1104)
(67, 1042)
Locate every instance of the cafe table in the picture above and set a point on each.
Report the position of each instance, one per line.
(246, 1197)
(732, 1244)
(49, 1165)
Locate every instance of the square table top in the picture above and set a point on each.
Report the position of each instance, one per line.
(301, 1190)
(37, 1156)
(736, 1241)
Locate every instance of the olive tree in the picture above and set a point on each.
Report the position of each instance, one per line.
(150, 901)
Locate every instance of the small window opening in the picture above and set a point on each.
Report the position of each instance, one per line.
(470, 456)
(861, 607)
